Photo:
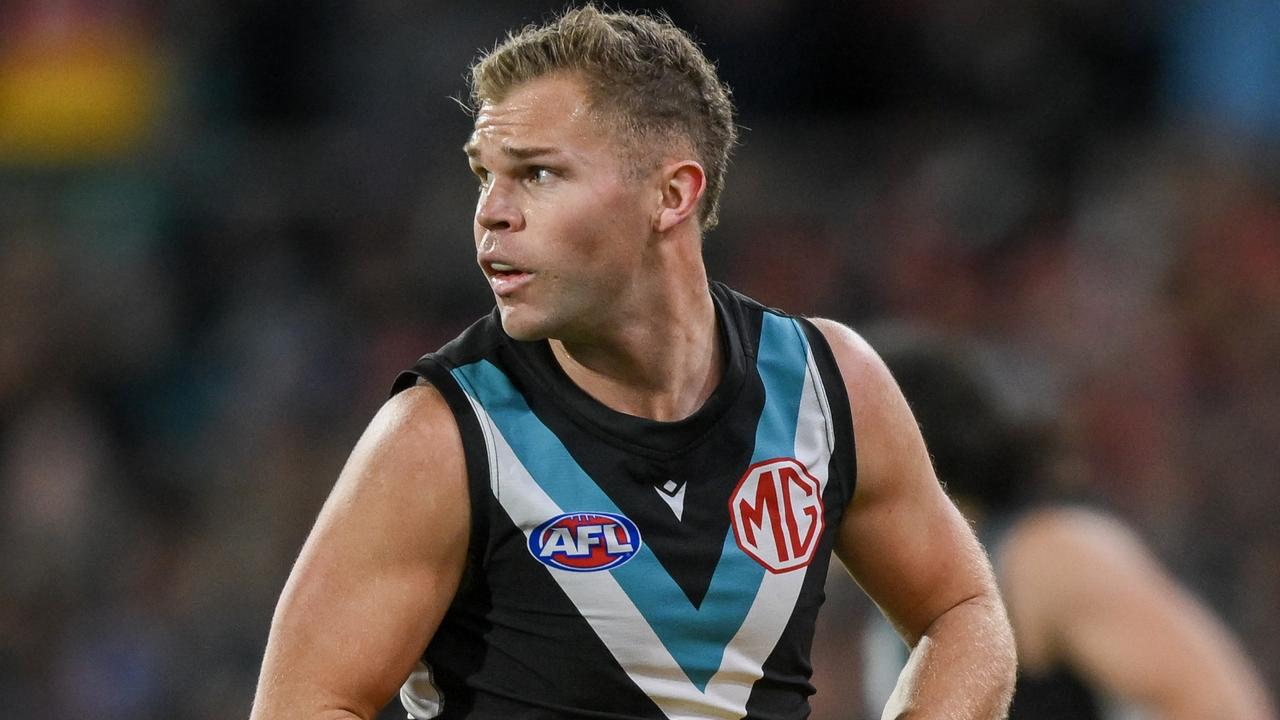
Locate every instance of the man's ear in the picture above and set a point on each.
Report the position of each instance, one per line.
(683, 183)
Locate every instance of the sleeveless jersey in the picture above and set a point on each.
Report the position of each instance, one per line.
(625, 568)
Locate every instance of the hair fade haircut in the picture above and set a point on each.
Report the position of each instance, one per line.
(644, 75)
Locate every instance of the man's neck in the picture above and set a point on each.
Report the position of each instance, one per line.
(661, 363)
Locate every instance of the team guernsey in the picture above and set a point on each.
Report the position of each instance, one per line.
(621, 567)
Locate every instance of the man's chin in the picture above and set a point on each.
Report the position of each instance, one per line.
(522, 329)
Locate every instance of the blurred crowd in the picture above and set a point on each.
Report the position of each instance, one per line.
(226, 226)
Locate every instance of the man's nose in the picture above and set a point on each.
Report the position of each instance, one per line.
(496, 209)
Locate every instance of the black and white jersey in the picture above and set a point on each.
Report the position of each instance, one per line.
(621, 567)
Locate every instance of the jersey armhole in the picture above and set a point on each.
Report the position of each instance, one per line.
(845, 458)
(435, 371)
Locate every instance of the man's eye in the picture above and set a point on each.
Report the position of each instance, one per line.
(540, 174)
(482, 176)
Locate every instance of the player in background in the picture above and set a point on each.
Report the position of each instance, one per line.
(1102, 629)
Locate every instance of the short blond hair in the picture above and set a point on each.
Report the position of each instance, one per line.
(642, 73)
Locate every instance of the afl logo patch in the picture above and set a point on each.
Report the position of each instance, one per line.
(777, 514)
(585, 542)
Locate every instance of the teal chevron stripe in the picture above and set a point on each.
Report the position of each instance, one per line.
(695, 637)
(781, 362)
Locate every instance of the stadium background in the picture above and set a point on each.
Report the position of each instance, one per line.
(226, 225)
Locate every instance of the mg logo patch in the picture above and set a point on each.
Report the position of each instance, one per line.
(585, 542)
(777, 514)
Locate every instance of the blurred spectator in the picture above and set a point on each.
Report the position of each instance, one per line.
(79, 80)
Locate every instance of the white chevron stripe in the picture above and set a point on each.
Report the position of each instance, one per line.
(768, 617)
(600, 598)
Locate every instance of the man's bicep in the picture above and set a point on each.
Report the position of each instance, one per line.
(379, 569)
(901, 538)
(915, 557)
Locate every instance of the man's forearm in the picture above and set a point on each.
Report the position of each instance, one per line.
(963, 667)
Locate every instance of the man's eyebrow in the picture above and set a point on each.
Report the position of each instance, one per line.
(515, 153)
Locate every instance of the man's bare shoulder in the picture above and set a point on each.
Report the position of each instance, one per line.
(890, 451)
(414, 438)
(1058, 562)
(1070, 538)
(379, 570)
(874, 398)
(854, 355)
(420, 413)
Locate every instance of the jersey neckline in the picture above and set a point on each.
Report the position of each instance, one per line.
(653, 437)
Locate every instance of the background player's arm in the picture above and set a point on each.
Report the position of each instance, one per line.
(913, 553)
(378, 571)
(1086, 593)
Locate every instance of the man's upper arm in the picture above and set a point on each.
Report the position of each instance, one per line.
(378, 571)
(902, 539)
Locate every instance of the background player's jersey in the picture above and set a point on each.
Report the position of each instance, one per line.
(627, 568)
